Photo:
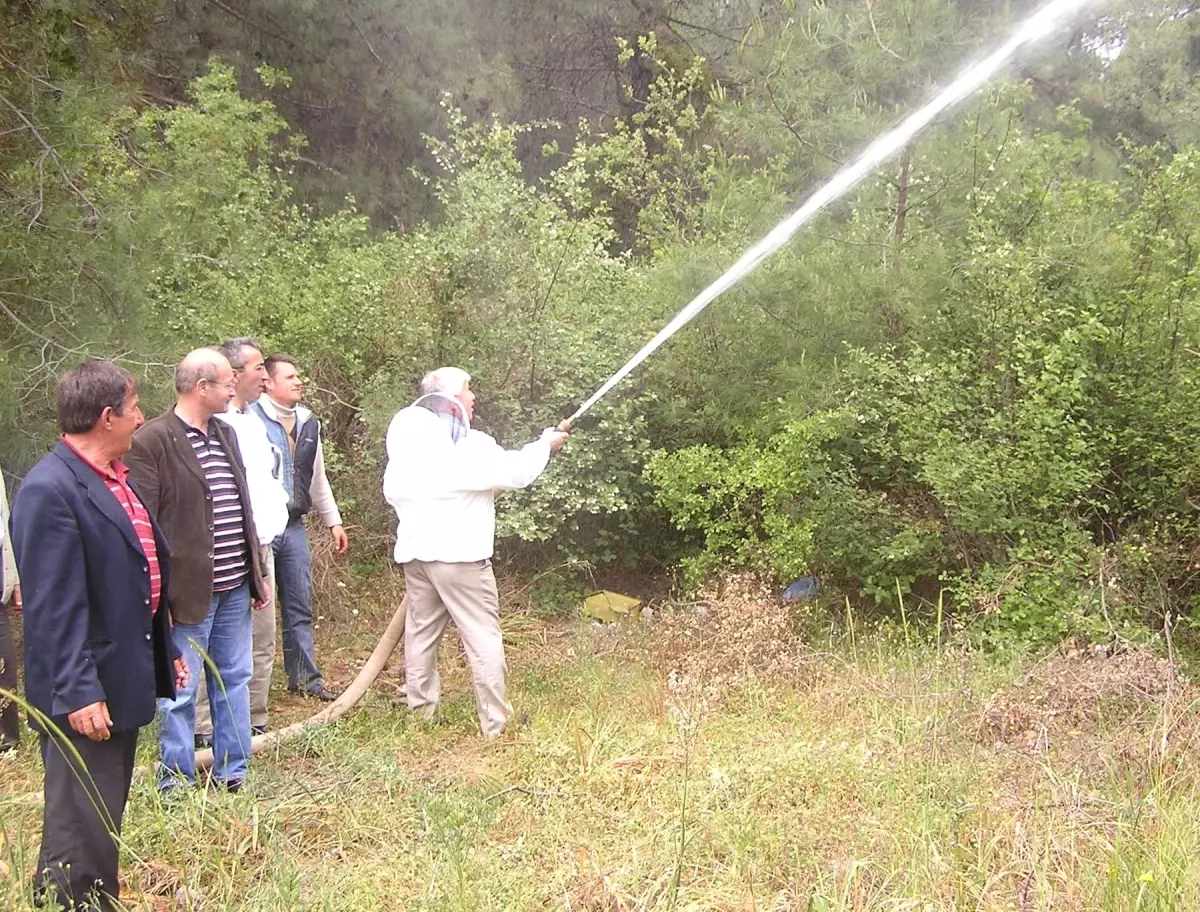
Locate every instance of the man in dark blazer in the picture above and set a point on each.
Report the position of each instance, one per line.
(189, 467)
(98, 649)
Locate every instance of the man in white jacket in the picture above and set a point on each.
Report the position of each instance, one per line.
(441, 478)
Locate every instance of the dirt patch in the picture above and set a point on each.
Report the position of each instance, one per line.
(1064, 694)
(467, 763)
(745, 635)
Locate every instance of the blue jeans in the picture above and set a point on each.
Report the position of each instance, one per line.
(224, 638)
(293, 577)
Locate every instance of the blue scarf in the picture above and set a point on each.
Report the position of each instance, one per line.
(449, 411)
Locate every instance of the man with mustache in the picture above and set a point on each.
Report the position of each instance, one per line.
(94, 572)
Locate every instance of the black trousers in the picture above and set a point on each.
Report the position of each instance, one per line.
(10, 725)
(82, 819)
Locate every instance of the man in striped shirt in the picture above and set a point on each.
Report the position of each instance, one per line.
(189, 467)
(268, 508)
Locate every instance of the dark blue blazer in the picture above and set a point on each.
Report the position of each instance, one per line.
(85, 582)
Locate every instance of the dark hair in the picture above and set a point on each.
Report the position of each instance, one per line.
(234, 349)
(278, 359)
(84, 392)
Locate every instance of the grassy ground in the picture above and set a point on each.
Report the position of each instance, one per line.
(711, 763)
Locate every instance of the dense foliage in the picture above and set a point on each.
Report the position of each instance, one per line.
(974, 379)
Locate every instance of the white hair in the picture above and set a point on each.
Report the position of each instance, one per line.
(448, 381)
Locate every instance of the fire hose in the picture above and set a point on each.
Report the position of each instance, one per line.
(349, 698)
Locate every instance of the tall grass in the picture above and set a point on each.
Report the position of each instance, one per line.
(896, 775)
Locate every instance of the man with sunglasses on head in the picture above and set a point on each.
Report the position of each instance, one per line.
(442, 477)
(189, 469)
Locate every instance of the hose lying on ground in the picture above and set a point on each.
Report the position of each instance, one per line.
(349, 698)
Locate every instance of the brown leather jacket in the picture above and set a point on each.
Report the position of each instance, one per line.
(173, 487)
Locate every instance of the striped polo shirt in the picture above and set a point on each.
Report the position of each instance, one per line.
(231, 563)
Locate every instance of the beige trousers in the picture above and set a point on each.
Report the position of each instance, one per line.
(263, 649)
(466, 594)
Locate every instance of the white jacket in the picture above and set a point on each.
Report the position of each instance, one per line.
(444, 492)
(11, 580)
(268, 497)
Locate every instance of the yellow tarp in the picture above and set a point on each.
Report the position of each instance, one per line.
(609, 606)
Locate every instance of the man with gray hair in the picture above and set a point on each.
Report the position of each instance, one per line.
(442, 476)
(268, 508)
(188, 466)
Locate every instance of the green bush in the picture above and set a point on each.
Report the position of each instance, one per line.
(1040, 415)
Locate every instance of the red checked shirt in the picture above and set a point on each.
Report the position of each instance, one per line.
(138, 515)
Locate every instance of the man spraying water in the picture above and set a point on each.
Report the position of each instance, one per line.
(417, 479)
(442, 477)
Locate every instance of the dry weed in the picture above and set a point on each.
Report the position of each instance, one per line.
(724, 643)
(1066, 693)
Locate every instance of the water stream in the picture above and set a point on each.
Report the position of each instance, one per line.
(1043, 22)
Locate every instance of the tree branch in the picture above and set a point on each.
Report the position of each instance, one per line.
(683, 23)
(240, 17)
(52, 153)
(159, 97)
(812, 147)
(321, 166)
(33, 77)
(875, 31)
(47, 340)
(562, 69)
(363, 36)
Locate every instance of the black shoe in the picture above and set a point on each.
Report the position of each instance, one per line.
(203, 742)
(259, 729)
(321, 692)
(233, 786)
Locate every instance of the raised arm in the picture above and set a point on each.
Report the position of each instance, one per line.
(484, 465)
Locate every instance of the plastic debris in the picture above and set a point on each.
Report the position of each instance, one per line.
(804, 589)
(609, 607)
